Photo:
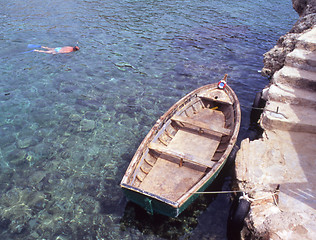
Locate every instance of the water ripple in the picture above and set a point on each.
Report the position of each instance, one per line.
(70, 124)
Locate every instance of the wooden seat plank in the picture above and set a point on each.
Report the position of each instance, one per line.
(179, 155)
(202, 125)
(216, 95)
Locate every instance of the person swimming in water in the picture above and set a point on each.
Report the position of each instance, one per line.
(57, 50)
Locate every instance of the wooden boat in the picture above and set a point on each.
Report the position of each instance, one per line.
(184, 151)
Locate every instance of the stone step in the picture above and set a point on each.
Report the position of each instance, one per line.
(295, 96)
(288, 117)
(295, 77)
(307, 41)
(302, 59)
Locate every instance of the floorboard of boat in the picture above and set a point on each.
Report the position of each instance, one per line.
(169, 180)
(201, 146)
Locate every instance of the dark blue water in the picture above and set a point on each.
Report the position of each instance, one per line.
(70, 123)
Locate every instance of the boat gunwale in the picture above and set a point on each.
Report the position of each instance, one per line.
(143, 192)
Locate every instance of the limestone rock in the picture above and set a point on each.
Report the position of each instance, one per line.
(275, 58)
(304, 7)
(285, 154)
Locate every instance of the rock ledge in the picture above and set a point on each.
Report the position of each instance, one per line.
(285, 155)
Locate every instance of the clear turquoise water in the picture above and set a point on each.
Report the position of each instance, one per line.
(69, 124)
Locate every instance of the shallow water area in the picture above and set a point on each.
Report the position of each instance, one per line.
(70, 123)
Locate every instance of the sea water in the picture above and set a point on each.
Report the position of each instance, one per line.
(70, 123)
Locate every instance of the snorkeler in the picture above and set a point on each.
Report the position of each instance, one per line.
(57, 50)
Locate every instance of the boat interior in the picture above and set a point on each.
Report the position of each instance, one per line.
(189, 145)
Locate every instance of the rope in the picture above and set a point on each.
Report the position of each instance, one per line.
(247, 198)
(252, 107)
(258, 108)
(244, 196)
(268, 110)
(273, 195)
(217, 192)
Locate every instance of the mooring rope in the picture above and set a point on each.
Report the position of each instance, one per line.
(218, 192)
(251, 107)
(264, 109)
(246, 196)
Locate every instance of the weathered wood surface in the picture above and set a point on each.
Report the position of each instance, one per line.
(169, 180)
(182, 157)
(201, 125)
(196, 147)
(182, 144)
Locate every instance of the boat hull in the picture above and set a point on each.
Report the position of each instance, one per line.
(153, 205)
(184, 151)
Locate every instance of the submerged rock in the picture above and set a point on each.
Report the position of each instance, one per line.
(17, 157)
(17, 208)
(75, 117)
(37, 177)
(87, 125)
(26, 142)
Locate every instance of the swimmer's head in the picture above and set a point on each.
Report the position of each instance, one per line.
(76, 48)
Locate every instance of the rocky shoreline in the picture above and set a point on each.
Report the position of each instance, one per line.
(277, 170)
(274, 59)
